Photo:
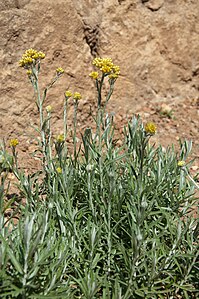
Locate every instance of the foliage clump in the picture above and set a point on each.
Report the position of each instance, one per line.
(102, 221)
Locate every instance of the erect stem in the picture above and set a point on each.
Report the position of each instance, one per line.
(75, 130)
(42, 129)
(65, 118)
(99, 85)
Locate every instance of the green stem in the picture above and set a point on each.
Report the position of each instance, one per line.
(49, 139)
(89, 182)
(42, 130)
(99, 85)
(15, 158)
(111, 88)
(99, 121)
(109, 238)
(75, 131)
(65, 118)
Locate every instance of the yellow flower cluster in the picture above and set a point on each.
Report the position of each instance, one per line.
(150, 128)
(94, 75)
(29, 72)
(107, 66)
(59, 71)
(48, 108)
(59, 170)
(181, 163)
(113, 76)
(14, 142)
(30, 56)
(60, 138)
(77, 96)
(68, 94)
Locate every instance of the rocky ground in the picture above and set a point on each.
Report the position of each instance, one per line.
(154, 42)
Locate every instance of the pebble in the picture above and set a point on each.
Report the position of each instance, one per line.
(194, 167)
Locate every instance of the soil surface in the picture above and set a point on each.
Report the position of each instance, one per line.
(154, 42)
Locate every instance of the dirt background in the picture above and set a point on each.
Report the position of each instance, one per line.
(155, 43)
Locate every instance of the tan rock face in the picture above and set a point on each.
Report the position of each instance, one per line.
(155, 42)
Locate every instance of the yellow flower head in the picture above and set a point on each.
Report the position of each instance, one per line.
(27, 61)
(68, 94)
(41, 55)
(103, 63)
(59, 170)
(94, 75)
(59, 71)
(106, 66)
(150, 128)
(29, 57)
(116, 69)
(14, 142)
(30, 53)
(113, 76)
(21, 63)
(181, 163)
(106, 69)
(77, 96)
(60, 138)
(29, 73)
(49, 108)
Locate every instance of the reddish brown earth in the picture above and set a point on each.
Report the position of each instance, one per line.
(154, 42)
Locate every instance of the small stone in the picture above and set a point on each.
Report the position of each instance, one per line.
(166, 109)
(154, 5)
(119, 142)
(11, 176)
(194, 167)
(146, 115)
